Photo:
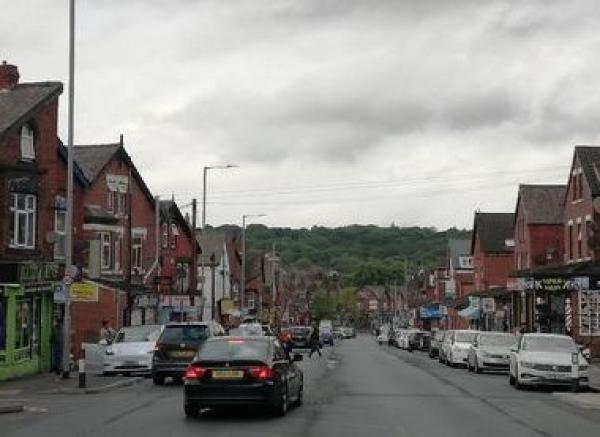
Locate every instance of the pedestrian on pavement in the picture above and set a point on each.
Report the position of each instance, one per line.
(107, 332)
(56, 343)
(314, 342)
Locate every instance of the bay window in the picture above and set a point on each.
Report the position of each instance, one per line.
(106, 251)
(27, 149)
(137, 254)
(22, 216)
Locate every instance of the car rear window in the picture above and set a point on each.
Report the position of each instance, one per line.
(465, 337)
(300, 331)
(138, 334)
(182, 334)
(234, 349)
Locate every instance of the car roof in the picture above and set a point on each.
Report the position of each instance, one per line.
(263, 338)
(539, 334)
(175, 324)
(466, 330)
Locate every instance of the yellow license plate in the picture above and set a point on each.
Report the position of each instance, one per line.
(227, 374)
(183, 354)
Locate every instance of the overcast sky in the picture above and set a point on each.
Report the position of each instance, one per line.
(410, 112)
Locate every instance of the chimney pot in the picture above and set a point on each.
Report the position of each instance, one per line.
(9, 76)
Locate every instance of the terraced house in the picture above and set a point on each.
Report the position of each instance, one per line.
(31, 221)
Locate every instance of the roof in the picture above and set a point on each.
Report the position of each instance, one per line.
(18, 102)
(492, 229)
(458, 248)
(92, 159)
(542, 204)
(170, 211)
(589, 157)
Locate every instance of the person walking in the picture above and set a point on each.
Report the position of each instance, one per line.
(315, 341)
(107, 332)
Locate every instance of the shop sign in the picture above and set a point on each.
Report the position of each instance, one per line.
(488, 305)
(515, 284)
(174, 300)
(84, 292)
(38, 272)
(59, 293)
(429, 313)
(226, 306)
(557, 284)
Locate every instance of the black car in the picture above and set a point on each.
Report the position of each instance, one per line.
(414, 340)
(176, 347)
(300, 337)
(242, 371)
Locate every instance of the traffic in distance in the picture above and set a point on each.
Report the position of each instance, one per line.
(531, 359)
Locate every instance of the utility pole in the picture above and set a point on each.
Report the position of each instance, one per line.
(66, 353)
(194, 250)
(243, 275)
(213, 306)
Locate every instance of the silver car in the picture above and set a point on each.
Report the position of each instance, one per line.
(132, 350)
(547, 359)
(490, 351)
(455, 350)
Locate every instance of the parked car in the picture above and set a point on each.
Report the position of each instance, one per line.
(457, 349)
(383, 336)
(392, 337)
(240, 371)
(326, 337)
(131, 351)
(436, 343)
(426, 339)
(445, 345)
(403, 339)
(177, 345)
(547, 359)
(301, 337)
(414, 340)
(337, 333)
(348, 332)
(490, 350)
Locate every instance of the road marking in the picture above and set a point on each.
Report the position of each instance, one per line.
(10, 392)
(36, 409)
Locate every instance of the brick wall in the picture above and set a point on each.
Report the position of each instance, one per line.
(577, 211)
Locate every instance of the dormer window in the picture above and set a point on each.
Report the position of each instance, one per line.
(27, 149)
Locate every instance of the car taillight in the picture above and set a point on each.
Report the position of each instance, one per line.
(262, 373)
(194, 372)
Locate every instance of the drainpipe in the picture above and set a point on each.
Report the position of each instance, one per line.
(156, 237)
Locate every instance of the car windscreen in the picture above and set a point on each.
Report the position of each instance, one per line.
(234, 349)
(300, 332)
(183, 334)
(497, 340)
(549, 344)
(138, 334)
(465, 337)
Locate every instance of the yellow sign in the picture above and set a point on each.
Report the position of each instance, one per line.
(226, 306)
(84, 292)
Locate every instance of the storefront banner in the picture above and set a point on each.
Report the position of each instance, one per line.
(557, 284)
(174, 300)
(84, 292)
(429, 313)
(515, 284)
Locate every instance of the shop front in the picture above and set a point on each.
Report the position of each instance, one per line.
(26, 321)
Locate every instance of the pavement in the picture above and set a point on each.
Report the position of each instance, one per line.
(357, 389)
(594, 375)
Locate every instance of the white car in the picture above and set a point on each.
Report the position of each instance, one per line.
(547, 359)
(490, 351)
(456, 347)
(132, 350)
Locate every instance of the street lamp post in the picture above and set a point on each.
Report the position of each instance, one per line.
(204, 180)
(243, 275)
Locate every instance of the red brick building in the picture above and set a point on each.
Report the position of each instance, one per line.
(539, 242)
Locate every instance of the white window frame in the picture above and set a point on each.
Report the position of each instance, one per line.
(165, 235)
(251, 301)
(29, 214)
(591, 312)
(137, 252)
(110, 200)
(105, 242)
(27, 143)
(61, 233)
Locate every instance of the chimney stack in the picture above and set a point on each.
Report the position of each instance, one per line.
(9, 76)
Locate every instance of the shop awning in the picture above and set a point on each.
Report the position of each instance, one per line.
(470, 313)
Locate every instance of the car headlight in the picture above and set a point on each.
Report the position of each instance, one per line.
(575, 358)
(109, 351)
(526, 364)
(485, 354)
(582, 368)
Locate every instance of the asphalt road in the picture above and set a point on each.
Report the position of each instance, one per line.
(357, 389)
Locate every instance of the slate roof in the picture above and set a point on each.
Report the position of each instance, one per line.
(18, 102)
(170, 211)
(493, 229)
(589, 156)
(211, 245)
(92, 159)
(458, 248)
(542, 204)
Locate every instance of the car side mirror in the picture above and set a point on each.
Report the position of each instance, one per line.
(514, 349)
(475, 344)
(587, 354)
(297, 357)
(103, 342)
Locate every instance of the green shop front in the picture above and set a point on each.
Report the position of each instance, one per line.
(26, 306)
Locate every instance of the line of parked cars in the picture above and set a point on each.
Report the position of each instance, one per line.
(531, 359)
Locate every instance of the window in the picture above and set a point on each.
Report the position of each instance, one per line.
(571, 242)
(27, 149)
(137, 255)
(110, 201)
(60, 228)
(174, 233)
(105, 242)
(251, 301)
(165, 235)
(117, 202)
(589, 312)
(23, 324)
(579, 241)
(22, 221)
(183, 277)
(3, 326)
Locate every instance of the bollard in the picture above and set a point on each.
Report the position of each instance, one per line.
(81, 367)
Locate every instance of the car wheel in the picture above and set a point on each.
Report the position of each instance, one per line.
(576, 388)
(511, 379)
(158, 379)
(477, 368)
(177, 380)
(192, 409)
(280, 406)
(518, 385)
(469, 368)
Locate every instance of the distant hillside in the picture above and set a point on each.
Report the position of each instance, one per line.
(347, 249)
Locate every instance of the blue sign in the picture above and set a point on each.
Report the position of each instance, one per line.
(429, 313)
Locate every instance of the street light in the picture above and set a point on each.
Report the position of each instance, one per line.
(204, 179)
(243, 281)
